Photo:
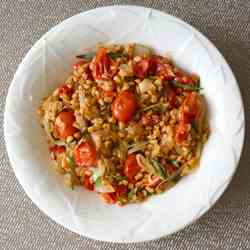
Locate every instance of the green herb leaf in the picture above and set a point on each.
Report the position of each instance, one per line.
(89, 56)
(159, 169)
(194, 126)
(98, 181)
(175, 163)
(72, 166)
(115, 55)
(193, 86)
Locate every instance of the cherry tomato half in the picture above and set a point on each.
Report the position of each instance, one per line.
(124, 106)
(102, 65)
(131, 167)
(64, 124)
(141, 68)
(85, 155)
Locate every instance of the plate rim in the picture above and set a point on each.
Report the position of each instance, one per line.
(205, 39)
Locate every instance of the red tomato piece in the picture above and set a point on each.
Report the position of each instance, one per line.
(131, 167)
(87, 183)
(66, 90)
(85, 155)
(102, 66)
(181, 133)
(121, 190)
(150, 120)
(191, 108)
(57, 149)
(109, 197)
(171, 96)
(170, 168)
(141, 68)
(124, 106)
(63, 126)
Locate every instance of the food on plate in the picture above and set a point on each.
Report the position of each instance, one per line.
(127, 123)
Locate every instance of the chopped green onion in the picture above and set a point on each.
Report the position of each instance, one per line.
(193, 86)
(159, 169)
(157, 105)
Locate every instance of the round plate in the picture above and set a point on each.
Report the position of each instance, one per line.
(47, 65)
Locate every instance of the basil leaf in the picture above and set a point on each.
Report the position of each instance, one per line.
(98, 181)
(193, 86)
(115, 55)
(89, 56)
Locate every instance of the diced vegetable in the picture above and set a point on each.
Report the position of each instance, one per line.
(88, 56)
(137, 147)
(146, 85)
(159, 169)
(115, 55)
(140, 50)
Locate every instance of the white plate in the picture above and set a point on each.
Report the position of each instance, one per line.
(49, 62)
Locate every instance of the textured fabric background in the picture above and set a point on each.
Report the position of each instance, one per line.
(226, 225)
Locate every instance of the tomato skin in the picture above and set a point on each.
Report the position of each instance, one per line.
(121, 190)
(102, 66)
(150, 120)
(171, 96)
(131, 167)
(85, 155)
(63, 126)
(124, 106)
(141, 68)
(181, 133)
(109, 198)
(191, 108)
(65, 90)
(57, 149)
(87, 183)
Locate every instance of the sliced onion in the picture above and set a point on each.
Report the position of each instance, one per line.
(144, 163)
(96, 137)
(140, 50)
(105, 189)
(146, 85)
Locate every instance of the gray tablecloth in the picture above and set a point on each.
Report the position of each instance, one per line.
(226, 225)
